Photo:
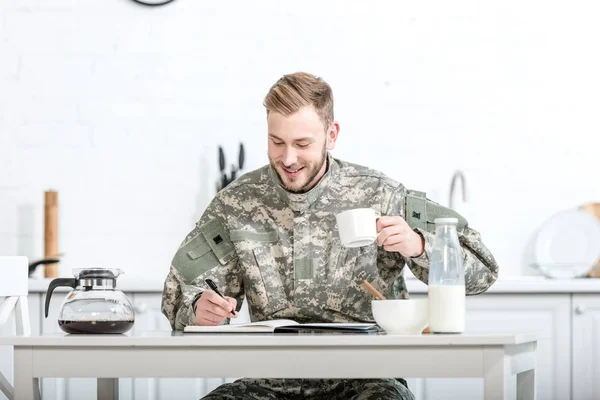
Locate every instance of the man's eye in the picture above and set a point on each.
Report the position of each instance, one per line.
(277, 143)
(303, 145)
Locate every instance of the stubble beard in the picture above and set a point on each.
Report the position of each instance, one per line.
(313, 173)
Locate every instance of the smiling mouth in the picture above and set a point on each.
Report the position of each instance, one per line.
(292, 172)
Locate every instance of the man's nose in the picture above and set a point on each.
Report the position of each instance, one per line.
(289, 157)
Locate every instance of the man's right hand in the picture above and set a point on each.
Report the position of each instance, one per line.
(212, 309)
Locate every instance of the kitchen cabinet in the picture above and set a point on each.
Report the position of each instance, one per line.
(586, 346)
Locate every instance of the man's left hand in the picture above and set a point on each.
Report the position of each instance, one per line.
(394, 234)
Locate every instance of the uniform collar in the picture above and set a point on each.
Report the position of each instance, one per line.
(302, 201)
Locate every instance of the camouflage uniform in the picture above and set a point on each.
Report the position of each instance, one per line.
(282, 251)
(315, 389)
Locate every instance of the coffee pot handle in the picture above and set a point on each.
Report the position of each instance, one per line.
(71, 282)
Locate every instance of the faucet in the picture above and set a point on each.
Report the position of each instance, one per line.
(458, 174)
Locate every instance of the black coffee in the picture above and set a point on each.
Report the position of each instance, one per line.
(95, 326)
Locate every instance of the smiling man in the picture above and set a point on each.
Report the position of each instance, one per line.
(295, 152)
(271, 237)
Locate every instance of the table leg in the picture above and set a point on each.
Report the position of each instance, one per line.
(26, 386)
(526, 385)
(108, 388)
(22, 317)
(6, 307)
(498, 381)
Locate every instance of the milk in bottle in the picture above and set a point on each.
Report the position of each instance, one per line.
(446, 280)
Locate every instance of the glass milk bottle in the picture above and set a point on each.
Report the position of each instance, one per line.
(447, 304)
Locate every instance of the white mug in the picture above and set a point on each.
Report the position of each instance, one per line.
(357, 227)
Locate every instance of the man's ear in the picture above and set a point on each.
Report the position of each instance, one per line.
(332, 135)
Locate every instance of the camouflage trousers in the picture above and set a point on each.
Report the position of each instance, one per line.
(316, 389)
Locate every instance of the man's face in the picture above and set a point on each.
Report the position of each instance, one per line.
(298, 145)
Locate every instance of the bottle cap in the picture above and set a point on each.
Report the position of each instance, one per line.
(446, 221)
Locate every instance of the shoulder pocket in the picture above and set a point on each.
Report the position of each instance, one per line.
(217, 236)
(422, 212)
(416, 212)
(210, 248)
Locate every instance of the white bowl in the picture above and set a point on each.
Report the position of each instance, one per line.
(408, 316)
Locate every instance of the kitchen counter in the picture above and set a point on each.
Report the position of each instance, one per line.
(517, 284)
(527, 284)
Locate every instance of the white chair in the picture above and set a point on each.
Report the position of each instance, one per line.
(14, 272)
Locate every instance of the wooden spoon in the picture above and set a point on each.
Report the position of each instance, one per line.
(369, 288)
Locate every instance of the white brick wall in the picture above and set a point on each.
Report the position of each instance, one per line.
(121, 108)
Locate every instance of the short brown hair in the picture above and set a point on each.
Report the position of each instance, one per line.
(294, 91)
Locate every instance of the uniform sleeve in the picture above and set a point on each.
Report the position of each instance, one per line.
(206, 252)
(481, 269)
(178, 300)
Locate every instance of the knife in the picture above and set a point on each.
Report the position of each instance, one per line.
(222, 167)
(241, 157)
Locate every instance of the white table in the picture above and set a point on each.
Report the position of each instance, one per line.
(506, 362)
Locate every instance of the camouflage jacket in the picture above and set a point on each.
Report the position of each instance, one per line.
(282, 252)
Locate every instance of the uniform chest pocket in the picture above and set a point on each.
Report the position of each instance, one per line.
(263, 283)
(345, 269)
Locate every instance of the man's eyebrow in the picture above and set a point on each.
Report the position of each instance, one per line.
(302, 139)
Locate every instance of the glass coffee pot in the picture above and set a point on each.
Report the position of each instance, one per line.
(94, 305)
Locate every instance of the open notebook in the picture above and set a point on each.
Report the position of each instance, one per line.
(284, 326)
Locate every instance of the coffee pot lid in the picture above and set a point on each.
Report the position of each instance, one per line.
(97, 272)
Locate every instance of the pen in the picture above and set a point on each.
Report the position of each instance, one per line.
(213, 287)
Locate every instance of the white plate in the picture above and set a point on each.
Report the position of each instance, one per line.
(562, 271)
(569, 237)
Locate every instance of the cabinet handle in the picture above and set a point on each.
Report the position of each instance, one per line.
(580, 309)
(141, 308)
